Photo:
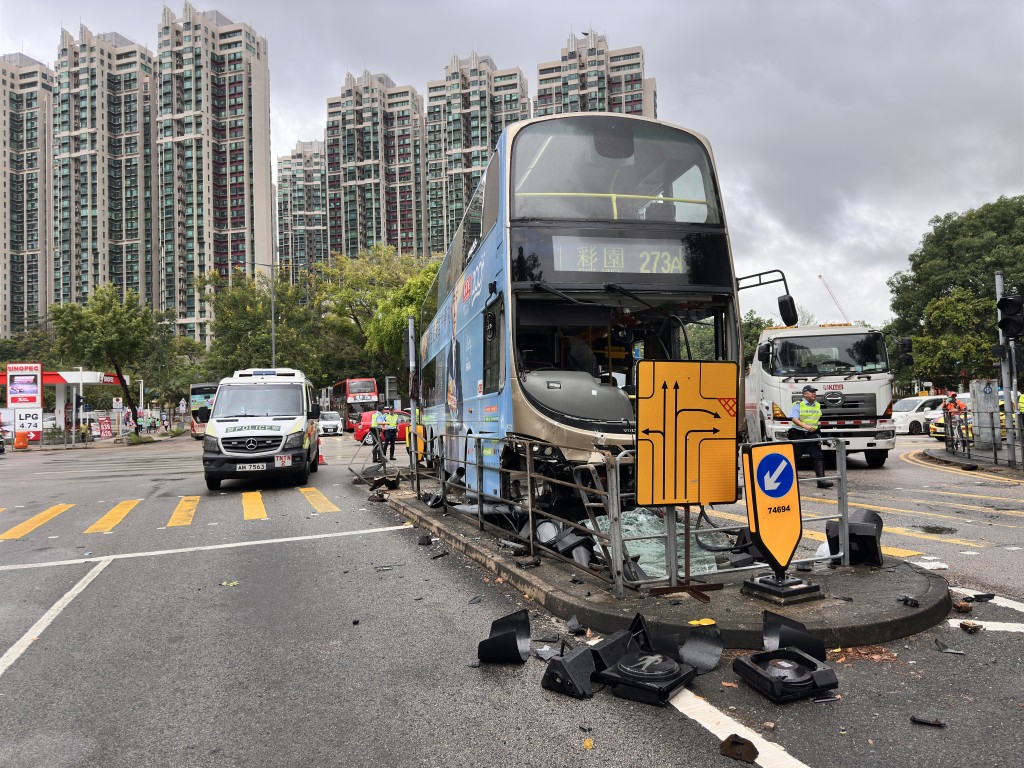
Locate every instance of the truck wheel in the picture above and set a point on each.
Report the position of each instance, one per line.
(876, 459)
(212, 483)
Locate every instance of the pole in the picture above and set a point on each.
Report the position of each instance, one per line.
(273, 338)
(1006, 374)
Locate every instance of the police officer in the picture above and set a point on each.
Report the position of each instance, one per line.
(390, 430)
(805, 416)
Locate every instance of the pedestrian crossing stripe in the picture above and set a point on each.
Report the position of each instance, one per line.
(32, 523)
(253, 508)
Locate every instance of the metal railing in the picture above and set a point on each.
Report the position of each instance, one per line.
(602, 488)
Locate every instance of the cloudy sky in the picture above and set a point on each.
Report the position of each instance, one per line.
(840, 127)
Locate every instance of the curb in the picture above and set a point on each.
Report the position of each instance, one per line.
(864, 609)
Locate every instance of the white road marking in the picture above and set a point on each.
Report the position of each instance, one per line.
(15, 651)
(991, 626)
(769, 754)
(1003, 601)
(206, 548)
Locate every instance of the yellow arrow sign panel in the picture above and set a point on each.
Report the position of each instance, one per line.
(686, 432)
(773, 501)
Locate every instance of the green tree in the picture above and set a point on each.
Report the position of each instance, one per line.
(962, 251)
(241, 326)
(353, 291)
(952, 348)
(105, 332)
(387, 329)
(751, 325)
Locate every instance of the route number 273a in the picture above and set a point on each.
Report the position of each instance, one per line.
(661, 262)
(776, 510)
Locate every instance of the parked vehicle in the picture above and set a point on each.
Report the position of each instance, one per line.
(330, 423)
(912, 414)
(264, 422)
(937, 426)
(362, 431)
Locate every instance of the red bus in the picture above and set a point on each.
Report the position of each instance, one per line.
(352, 398)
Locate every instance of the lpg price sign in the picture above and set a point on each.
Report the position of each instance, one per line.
(24, 385)
(28, 424)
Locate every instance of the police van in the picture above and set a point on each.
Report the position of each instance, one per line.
(263, 422)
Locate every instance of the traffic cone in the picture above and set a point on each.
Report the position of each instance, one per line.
(320, 452)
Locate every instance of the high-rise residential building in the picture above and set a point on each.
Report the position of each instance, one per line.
(374, 141)
(589, 77)
(26, 88)
(302, 209)
(214, 190)
(103, 133)
(466, 113)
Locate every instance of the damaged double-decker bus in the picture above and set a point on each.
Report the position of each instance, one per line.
(593, 241)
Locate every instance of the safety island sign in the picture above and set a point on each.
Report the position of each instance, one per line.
(773, 501)
(686, 432)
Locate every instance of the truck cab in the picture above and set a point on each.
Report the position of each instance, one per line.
(847, 364)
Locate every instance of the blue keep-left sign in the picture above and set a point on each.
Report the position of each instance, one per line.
(775, 475)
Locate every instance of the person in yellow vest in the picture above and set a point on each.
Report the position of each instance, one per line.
(805, 416)
(390, 430)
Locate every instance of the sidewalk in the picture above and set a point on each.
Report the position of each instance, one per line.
(109, 442)
(862, 605)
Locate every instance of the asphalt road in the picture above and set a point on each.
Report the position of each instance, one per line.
(147, 621)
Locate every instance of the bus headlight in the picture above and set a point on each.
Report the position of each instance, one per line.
(294, 440)
(210, 444)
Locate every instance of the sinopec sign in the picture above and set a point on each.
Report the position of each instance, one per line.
(24, 385)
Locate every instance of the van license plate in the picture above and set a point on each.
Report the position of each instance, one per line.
(282, 461)
(250, 467)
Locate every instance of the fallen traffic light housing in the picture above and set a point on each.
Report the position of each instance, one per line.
(509, 640)
(570, 673)
(650, 678)
(786, 674)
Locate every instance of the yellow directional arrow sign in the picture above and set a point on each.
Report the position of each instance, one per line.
(773, 501)
(686, 432)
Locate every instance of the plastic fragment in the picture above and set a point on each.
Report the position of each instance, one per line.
(588, 743)
(963, 607)
(424, 540)
(946, 649)
(229, 583)
(702, 623)
(438, 555)
(476, 600)
(971, 627)
(925, 721)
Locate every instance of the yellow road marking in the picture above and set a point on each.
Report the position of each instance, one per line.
(320, 502)
(113, 517)
(34, 522)
(939, 515)
(819, 536)
(184, 512)
(252, 506)
(913, 458)
(968, 495)
(907, 532)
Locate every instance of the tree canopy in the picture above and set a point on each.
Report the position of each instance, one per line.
(946, 301)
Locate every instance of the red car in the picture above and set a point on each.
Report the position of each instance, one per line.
(362, 431)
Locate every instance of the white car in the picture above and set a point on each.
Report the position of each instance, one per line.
(912, 414)
(330, 423)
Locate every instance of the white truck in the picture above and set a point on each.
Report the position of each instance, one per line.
(847, 364)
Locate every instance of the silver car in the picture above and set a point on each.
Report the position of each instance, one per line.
(330, 423)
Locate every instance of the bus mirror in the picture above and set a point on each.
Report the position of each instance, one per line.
(204, 414)
(787, 310)
(762, 353)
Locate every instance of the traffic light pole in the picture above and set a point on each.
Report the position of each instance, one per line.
(1008, 375)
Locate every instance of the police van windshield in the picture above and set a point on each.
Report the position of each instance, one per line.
(258, 400)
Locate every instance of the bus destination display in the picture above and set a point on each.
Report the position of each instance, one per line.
(644, 257)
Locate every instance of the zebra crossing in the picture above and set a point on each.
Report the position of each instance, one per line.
(187, 511)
